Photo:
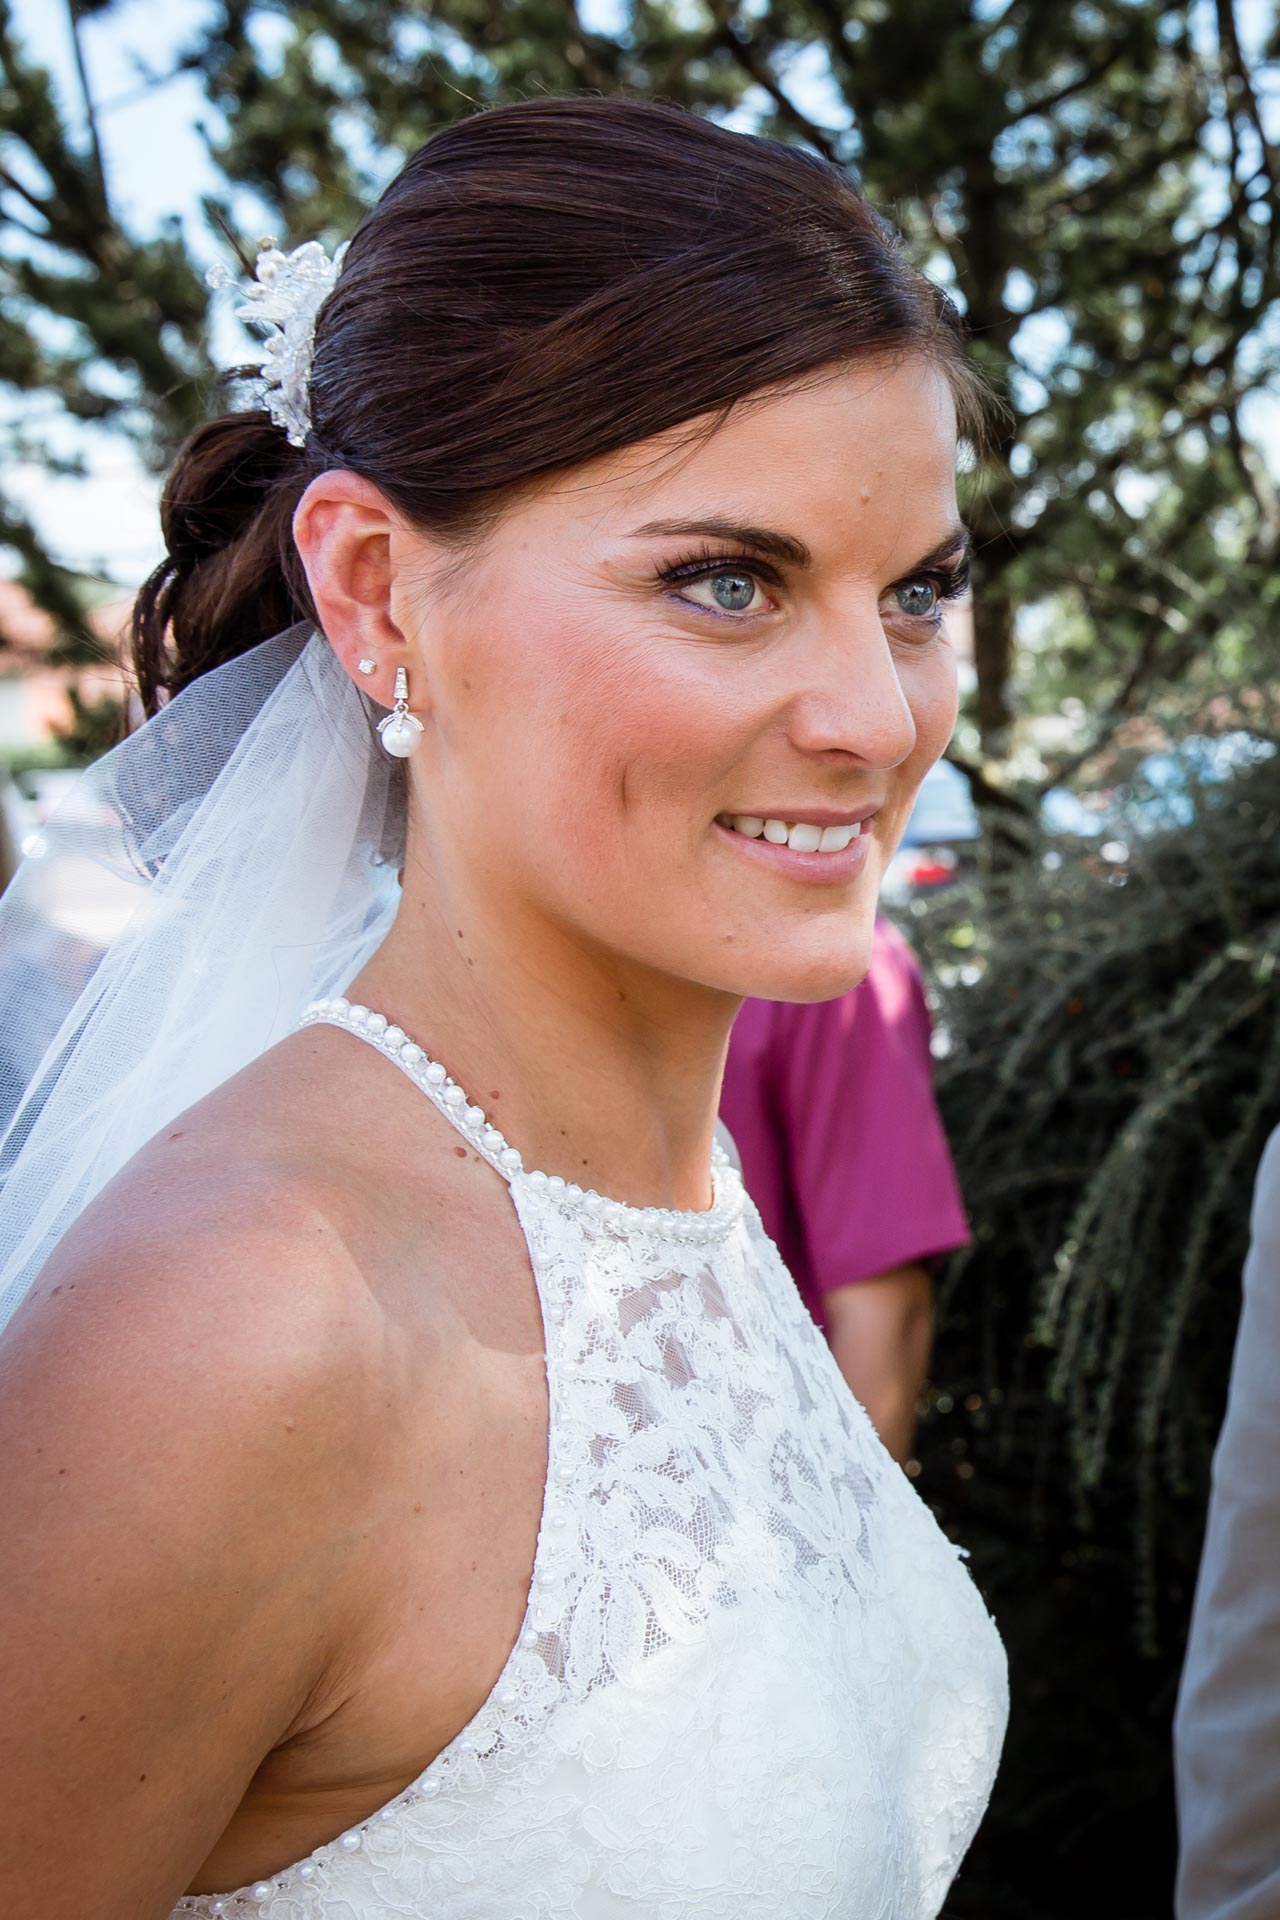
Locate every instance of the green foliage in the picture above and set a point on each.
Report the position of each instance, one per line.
(94, 728)
(36, 759)
(1112, 1075)
(99, 329)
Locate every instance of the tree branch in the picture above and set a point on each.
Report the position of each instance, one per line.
(588, 48)
(1096, 72)
(833, 17)
(1238, 69)
(983, 788)
(1120, 709)
(757, 68)
(1087, 201)
(1257, 477)
(20, 226)
(15, 185)
(90, 114)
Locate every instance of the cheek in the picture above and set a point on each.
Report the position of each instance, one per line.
(581, 721)
(931, 692)
(647, 730)
(930, 687)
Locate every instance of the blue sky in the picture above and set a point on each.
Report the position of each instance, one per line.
(106, 523)
(157, 164)
(156, 160)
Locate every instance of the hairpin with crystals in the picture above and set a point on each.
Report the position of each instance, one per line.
(285, 295)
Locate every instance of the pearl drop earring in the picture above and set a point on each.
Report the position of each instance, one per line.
(401, 732)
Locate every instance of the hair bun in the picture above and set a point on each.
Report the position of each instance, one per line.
(231, 575)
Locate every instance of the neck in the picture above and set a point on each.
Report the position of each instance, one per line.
(595, 1068)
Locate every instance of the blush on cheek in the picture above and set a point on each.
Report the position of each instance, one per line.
(624, 734)
(561, 753)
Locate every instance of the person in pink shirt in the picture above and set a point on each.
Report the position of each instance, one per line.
(832, 1110)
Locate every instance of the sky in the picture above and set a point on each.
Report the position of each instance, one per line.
(106, 523)
(156, 164)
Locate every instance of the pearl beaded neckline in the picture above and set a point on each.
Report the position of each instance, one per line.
(473, 1123)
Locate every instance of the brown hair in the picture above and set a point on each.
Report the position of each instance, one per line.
(542, 284)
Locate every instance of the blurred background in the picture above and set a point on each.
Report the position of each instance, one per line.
(1092, 877)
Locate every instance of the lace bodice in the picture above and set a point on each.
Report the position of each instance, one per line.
(754, 1680)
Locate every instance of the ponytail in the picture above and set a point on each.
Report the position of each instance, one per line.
(231, 575)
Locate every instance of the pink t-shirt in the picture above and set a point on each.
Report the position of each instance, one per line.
(832, 1109)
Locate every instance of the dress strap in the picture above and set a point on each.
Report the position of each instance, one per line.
(428, 1075)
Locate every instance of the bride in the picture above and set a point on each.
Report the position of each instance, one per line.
(425, 1493)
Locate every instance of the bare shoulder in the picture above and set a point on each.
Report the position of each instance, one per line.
(186, 1400)
(190, 1408)
(225, 1267)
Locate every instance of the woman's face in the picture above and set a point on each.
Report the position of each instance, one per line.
(666, 649)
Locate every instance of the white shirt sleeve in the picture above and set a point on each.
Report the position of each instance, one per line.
(1227, 1723)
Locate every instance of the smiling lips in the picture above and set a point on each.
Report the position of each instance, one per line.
(802, 836)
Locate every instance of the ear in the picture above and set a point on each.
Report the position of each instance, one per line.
(349, 536)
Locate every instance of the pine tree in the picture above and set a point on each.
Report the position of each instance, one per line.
(97, 325)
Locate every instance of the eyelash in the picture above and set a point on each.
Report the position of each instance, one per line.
(950, 582)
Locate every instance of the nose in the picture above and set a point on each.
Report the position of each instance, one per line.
(849, 698)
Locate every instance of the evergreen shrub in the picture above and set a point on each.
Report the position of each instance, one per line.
(1108, 1023)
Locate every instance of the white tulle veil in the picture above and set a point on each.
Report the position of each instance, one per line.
(247, 841)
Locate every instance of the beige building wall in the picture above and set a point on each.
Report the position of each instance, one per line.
(35, 697)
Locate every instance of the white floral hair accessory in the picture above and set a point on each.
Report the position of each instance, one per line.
(286, 293)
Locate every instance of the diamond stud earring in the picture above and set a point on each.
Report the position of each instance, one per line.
(367, 666)
(401, 732)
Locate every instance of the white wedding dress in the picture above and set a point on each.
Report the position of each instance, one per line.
(754, 1680)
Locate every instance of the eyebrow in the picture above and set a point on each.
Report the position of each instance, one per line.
(777, 546)
(955, 544)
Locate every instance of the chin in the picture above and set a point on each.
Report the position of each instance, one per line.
(810, 976)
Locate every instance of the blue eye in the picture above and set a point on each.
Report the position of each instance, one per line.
(733, 591)
(732, 585)
(919, 598)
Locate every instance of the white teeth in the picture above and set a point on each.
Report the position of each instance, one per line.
(802, 837)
